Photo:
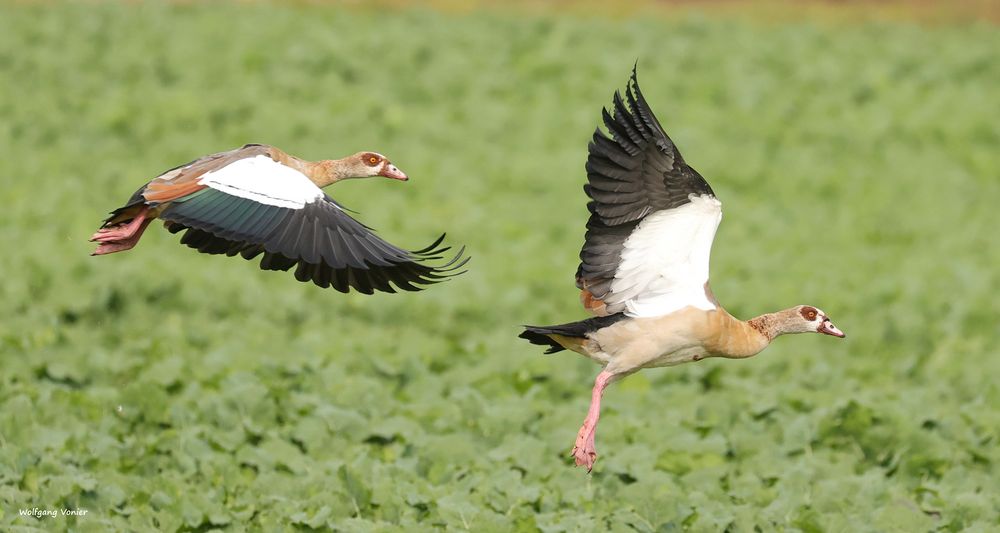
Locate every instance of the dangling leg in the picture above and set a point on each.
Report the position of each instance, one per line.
(585, 452)
(121, 237)
(121, 232)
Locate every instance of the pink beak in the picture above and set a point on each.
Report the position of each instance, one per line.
(390, 171)
(828, 328)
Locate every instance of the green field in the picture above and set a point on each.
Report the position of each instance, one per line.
(859, 167)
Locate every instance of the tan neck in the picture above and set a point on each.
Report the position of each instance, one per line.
(736, 339)
(322, 173)
(326, 172)
(772, 325)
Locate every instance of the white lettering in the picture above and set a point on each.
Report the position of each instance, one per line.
(52, 513)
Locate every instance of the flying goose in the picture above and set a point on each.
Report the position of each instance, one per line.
(644, 265)
(258, 200)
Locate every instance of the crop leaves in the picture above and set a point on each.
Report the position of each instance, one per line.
(166, 390)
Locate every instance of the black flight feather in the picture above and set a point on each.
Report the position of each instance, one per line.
(326, 245)
(632, 171)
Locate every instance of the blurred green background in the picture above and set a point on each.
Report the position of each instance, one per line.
(856, 155)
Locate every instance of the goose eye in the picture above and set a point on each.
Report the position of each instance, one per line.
(372, 160)
(811, 315)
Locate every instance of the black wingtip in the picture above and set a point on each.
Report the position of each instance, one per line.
(633, 83)
(643, 115)
(432, 246)
(424, 274)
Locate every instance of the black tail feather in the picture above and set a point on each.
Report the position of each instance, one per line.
(541, 335)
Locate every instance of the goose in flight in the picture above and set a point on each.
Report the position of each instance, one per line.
(644, 265)
(260, 201)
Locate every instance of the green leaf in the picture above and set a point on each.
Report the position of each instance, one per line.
(358, 491)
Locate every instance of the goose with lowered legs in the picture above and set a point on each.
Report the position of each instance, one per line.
(644, 266)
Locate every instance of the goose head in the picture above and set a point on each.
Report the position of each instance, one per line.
(369, 164)
(809, 319)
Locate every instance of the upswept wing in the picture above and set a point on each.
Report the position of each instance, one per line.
(652, 221)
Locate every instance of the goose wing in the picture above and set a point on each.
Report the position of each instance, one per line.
(652, 218)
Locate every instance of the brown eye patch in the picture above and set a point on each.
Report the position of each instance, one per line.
(808, 313)
(371, 159)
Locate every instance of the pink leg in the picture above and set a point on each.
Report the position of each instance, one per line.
(111, 246)
(585, 452)
(122, 232)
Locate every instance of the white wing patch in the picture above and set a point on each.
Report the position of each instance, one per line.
(664, 263)
(264, 180)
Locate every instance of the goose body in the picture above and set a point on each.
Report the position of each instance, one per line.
(689, 334)
(258, 200)
(644, 265)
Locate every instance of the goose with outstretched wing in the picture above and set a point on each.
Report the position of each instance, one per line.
(645, 262)
(258, 200)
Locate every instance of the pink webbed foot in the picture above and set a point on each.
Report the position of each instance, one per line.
(105, 248)
(120, 238)
(111, 234)
(585, 452)
(124, 231)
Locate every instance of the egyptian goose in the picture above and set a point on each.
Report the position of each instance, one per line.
(260, 200)
(644, 265)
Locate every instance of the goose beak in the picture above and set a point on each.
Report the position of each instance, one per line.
(390, 171)
(828, 328)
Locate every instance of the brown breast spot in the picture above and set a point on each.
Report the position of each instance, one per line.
(763, 324)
